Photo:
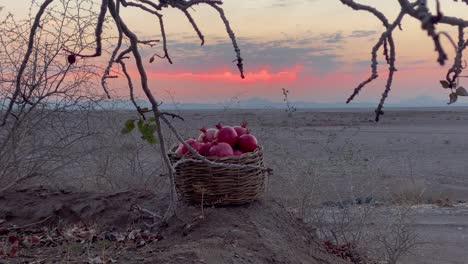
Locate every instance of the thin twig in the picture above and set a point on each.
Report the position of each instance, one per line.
(29, 50)
(31, 224)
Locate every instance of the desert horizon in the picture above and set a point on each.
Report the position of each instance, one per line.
(233, 132)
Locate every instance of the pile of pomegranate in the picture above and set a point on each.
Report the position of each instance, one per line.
(222, 141)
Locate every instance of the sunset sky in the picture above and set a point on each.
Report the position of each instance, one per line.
(318, 49)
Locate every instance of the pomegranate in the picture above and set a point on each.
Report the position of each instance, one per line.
(182, 149)
(238, 152)
(207, 135)
(71, 58)
(221, 149)
(242, 129)
(226, 134)
(248, 143)
(205, 148)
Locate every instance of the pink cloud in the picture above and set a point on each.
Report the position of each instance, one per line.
(265, 74)
(304, 84)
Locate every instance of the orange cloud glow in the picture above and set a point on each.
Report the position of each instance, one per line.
(262, 75)
(303, 82)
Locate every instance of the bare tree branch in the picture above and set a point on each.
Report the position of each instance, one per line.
(21, 69)
(420, 11)
(239, 59)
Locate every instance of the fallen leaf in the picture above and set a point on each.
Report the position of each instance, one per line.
(69, 233)
(133, 235)
(120, 237)
(141, 243)
(96, 260)
(2, 246)
(13, 239)
(35, 240)
(86, 234)
(4, 231)
(26, 243)
(145, 235)
(114, 236)
(79, 233)
(13, 249)
(30, 241)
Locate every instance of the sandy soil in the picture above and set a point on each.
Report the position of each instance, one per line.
(319, 158)
(109, 231)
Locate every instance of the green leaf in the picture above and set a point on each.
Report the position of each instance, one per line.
(152, 119)
(129, 126)
(453, 98)
(445, 84)
(151, 139)
(461, 91)
(147, 132)
(140, 124)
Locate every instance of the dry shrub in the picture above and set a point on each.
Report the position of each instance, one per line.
(44, 131)
(358, 219)
(408, 192)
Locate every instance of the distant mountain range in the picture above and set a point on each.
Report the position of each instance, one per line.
(262, 103)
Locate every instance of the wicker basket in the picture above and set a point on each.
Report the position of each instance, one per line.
(216, 185)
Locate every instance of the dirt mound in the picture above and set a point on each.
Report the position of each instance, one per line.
(69, 206)
(262, 232)
(259, 233)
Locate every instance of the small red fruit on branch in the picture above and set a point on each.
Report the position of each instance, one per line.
(71, 58)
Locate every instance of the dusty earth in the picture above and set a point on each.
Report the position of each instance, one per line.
(65, 226)
(444, 234)
(321, 159)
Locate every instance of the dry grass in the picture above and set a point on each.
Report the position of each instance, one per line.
(408, 192)
(415, 192)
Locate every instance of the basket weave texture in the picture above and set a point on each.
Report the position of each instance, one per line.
(217, 185)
